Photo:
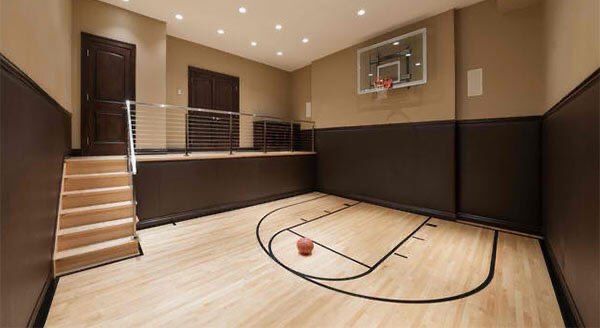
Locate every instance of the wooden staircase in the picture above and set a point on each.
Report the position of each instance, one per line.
(96, 220)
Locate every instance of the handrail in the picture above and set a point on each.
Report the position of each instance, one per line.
(215, 111)
(196, 139)
(131, 150)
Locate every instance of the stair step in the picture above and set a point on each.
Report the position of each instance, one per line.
(94, 233)
(96, 196)
(86, 256)
(96, 180)
(80, 216)
(87, 165)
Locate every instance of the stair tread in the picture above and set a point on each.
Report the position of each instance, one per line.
(93, 226)
(84, 209)
(96, 158)
(93, 247)
(96, 190)
(97, 175)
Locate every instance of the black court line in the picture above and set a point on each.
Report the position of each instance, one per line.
(331, 249)
(305, 220)
(404, 256)
(418, 238)
(362, 274)
(431, 225)
(278, 209)
(480, 287)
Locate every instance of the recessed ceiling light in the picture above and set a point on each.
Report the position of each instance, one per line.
(253, 43)
(408, 55)
(396, 43)
(361, 12)
(220, 31)
(179, 16)
(278, 27)
(125, 0)
(370, 74)
(305, 40)
(417, 64)
(242, 10)
(279, 53)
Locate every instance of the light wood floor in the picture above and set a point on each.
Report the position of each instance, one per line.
(212, 271)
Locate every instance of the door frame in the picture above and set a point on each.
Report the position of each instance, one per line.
(86, 38)
(192, 70)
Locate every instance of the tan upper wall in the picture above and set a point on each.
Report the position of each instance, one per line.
(263, 89)
(335, 101)
(508, 46)
(36, 36)
(572, 45)
(149, 36)
(301, 92)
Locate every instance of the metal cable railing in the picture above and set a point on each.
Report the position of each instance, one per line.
(160, 128)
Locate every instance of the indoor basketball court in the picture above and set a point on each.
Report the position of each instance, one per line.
(370, 265)
(285, 163)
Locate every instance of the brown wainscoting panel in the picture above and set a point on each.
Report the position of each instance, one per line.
(177, 190)
(408, 166)
(498, 172)
(570, 196)
(35, 136)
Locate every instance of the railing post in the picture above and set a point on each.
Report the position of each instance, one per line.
(292, 136)
(264, 136)
(230, 134)
(313, 138)
(187, 133)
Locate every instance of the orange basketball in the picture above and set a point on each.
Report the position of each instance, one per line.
(305, 246)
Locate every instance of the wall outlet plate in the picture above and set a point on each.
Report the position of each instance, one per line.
(475, 82)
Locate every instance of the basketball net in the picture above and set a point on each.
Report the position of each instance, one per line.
(382, 86)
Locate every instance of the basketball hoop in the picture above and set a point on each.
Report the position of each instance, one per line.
(382, 86)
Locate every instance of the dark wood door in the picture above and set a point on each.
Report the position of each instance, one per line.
(211, 90)
(107, 80)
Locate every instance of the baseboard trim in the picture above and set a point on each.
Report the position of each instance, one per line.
(568, 309)
(40, 314)
(177, 217)
(499, 223)
(403, 207)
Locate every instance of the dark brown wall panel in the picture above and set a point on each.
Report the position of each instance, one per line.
(35, 137)
(176, 190)
(499, 172)
(571, 193)
(407, 166)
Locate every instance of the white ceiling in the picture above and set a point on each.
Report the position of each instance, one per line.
(331, 25)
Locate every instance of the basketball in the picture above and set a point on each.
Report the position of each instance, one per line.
(305, 246)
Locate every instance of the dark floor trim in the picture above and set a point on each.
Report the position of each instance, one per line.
(169, 219)
(43, 308)
(503, 224)
(574, 93)
(393, 205)
(568, 309)
(75, 152)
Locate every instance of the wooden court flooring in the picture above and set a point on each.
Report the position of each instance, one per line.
(372, 266)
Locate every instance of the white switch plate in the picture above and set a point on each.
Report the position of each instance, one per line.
(474, 82)
(308, 109)
(179, 91)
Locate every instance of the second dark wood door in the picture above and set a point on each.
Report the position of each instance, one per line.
(107, 80)
(211, 90)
